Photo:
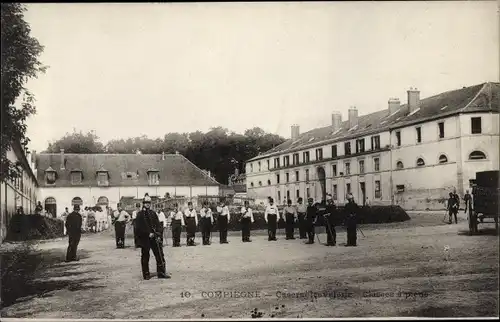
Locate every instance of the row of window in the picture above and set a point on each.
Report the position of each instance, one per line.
(76, 178)
(476, 128)
(377, 191)
(475, 155)
(475, 124)
(19, 183)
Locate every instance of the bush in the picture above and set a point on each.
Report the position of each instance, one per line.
(33, 227)
(366, 215)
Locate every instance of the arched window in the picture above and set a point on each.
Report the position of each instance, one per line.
(477, 155)
(103, 201)
(399, 165)
(420, 162)
(443, 158)
(77, 201)
(51, 206)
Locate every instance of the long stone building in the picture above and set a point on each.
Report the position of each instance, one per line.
(412, 155)
(20, 191)
(104, 179)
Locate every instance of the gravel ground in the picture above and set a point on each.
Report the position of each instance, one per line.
(422, 267)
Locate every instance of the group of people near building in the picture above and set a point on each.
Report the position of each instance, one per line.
(94, 219)
(453, 205)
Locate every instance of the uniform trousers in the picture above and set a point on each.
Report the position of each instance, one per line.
(120, 233)
(176, 232)
(73, 241)
(206, 227)
(351, 235)
(289, 223)
(245, 228)
(223, 228)
(331, 234)
(302, 225)
(190, 230)
(272, 223)
(156, 246)
(310, 230)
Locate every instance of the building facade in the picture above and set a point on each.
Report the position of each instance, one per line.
(104, 179)
(411, 155)
(20, 191)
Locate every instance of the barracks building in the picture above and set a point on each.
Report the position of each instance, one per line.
(410, 154)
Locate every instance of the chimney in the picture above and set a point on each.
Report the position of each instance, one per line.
(394, 105)
(413, 100)
(62, 159)
(163, 156)
(336, 120)
(353, 117)
(295, 131)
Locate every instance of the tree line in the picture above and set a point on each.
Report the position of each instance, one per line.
(218, 150)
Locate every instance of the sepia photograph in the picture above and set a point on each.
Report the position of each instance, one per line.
(250, 160)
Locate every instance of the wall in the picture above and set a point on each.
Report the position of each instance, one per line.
(16, 193)
(90, 195)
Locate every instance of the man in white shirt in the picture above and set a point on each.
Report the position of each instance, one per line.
(206, 222)
(64, 215)
(223, 219)
(177, 224)
(246, 221)
(163, 219)
(271, 217)
(289, 216)
(301, 214)
(121, 219)
(191, 224)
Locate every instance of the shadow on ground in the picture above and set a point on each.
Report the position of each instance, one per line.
(481, 232)
(27, 273)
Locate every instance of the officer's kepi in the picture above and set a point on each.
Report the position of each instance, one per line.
(147, 199)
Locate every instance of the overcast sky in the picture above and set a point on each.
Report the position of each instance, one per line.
(130, 69)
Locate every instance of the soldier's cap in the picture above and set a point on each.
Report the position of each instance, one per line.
(310, 199)
(328, 196)
(350, 196)
(147, 199)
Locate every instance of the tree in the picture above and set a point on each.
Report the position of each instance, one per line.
(19, 63)
(77, 142)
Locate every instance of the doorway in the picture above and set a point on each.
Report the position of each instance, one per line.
(363, 192)
(51, 206)
(322, 182)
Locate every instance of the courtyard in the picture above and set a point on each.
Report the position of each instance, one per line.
(422, 267)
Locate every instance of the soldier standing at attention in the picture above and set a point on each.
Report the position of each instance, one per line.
(223, 218)
(351, 209)
(246, 221)
(301, 214)
(310, 220)
(271, 217)
(330, 221)
(150, 232)
(74, 228)
(177, 224)
(289, 216)
(191, 224)
(121, 219)
(206, 222)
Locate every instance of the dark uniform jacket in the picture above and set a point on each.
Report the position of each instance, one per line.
(311, 213)
(74, 223)
(351, 210)
(333, 217)
(147, 222)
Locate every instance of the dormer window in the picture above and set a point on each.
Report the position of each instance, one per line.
(153, 177)
(102, 177)
(50, 176)
(76, 176)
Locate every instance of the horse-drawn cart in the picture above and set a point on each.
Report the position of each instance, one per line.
(485, 198)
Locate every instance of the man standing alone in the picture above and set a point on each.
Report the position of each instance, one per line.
(289, 217)
(310, 221)
(74, 228)
(351, 209)
(150, 231)
(271, 217)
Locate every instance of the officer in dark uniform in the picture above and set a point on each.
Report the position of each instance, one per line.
(351, 211)
(330, 221)
(74, 230)
(149, 234)
(311, 212)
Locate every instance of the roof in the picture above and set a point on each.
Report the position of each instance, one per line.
(478, 98)
(123, 169)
